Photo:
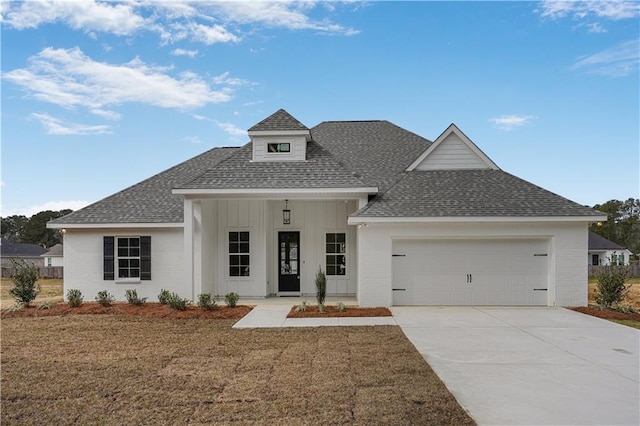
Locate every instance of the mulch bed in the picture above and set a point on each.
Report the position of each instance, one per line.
(332, 312)
(608, 314)
(148, 310)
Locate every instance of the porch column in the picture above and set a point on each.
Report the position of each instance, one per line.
(188, 244)
(193, 247)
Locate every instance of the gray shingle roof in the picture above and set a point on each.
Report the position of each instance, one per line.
(57, 250)
(151, 200)
(321, 170)
(280, 120)
(598, 242)
(469, 193)
(378, 151)
(12, 249)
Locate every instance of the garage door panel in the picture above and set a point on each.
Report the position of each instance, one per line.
(470, 272)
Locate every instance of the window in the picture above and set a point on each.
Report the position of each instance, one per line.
(595, 259)
(336, 249)
(127, 258)
(48, 261)
(239, 256)
(278, 147)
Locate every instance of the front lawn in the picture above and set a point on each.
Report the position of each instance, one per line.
(97, 369)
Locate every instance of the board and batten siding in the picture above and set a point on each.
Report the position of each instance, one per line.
(450, 154)
(83, 263)
(566, 270)
(298, 148)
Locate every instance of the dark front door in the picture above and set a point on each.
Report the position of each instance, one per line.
(289, 261)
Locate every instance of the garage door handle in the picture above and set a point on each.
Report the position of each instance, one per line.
(398, 255)
(399, 289)
(539, 289)
(469, 278)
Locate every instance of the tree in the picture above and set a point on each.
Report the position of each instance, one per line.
(623, 223)
(13, 227)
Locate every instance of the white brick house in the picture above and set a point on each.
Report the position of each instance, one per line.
(392, 218)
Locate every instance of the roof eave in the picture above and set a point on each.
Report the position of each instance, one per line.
(356, 220)
(270, 192)
(112, 225)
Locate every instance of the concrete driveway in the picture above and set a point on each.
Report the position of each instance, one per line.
(530, 366)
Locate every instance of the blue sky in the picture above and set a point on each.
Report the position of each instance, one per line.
(97, 96)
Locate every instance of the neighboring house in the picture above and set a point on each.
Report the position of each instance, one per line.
(54, 256)
(391, 217)
(20, 251)
(604, 252)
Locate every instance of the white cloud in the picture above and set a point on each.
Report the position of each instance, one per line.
(232, 129)
(614, 10)
(509, 122)
(184, 52)
(596, 28)
(225, 79)
(618, 61)
(109, 115)
(29, 211)
(207, 22)
(69, 78)
(54, 126)
(88, 15)
(192, 139)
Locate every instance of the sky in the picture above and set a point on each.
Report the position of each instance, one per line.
(97, 96)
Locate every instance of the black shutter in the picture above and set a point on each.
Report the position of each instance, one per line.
(145, 258)
(108, 258)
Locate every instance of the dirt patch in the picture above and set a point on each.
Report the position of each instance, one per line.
(608, 314)
(110, 370)
(148, 310)
(332, 312)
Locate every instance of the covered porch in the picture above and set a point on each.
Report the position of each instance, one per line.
(271, 244)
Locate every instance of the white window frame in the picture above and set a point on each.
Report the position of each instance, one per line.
(117, 259)
(239, 253)
(335, 255)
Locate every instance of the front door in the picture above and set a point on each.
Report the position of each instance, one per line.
(289, 261)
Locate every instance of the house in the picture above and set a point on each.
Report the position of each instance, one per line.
(391, 217)
(54, 256)
(11, 251)
(604, 252)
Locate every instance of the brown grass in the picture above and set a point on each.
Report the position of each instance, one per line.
(99, 369)
(50, 291)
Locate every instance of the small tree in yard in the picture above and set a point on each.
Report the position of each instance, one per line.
(610, 290)
(25, 288)
(321, 288)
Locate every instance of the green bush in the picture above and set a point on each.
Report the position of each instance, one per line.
(178, 303)
(321, 288)
(205, 301)
(25, 289)
(164, 296)
(231, 299)
(104, 298)
(611, 289)
(302, 306)
(74, 297)
(45, 305)
(133, 299)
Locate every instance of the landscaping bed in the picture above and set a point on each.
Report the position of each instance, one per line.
(332, 312)
(608, 314)
(148, 310)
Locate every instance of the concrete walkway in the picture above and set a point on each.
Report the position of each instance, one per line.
(511, 366)
(530, 366)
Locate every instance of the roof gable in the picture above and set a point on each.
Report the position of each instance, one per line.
(10, 248)
(598, 242)
(453, 150)
(278, 121)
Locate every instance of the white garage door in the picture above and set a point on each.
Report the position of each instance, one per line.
(470, 272)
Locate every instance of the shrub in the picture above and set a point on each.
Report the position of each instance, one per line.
(24, 280)
(321, 288)
(104, 298)
(302, 306)
(133, 299)
(205, 301)
(340, 307)
(18, 306)
(610, 290)
(45, 305)
(178, 303)
(74, 297)
(164, 296)
(231, 299)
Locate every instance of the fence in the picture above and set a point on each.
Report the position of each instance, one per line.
(634, 270)
(43, 272)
